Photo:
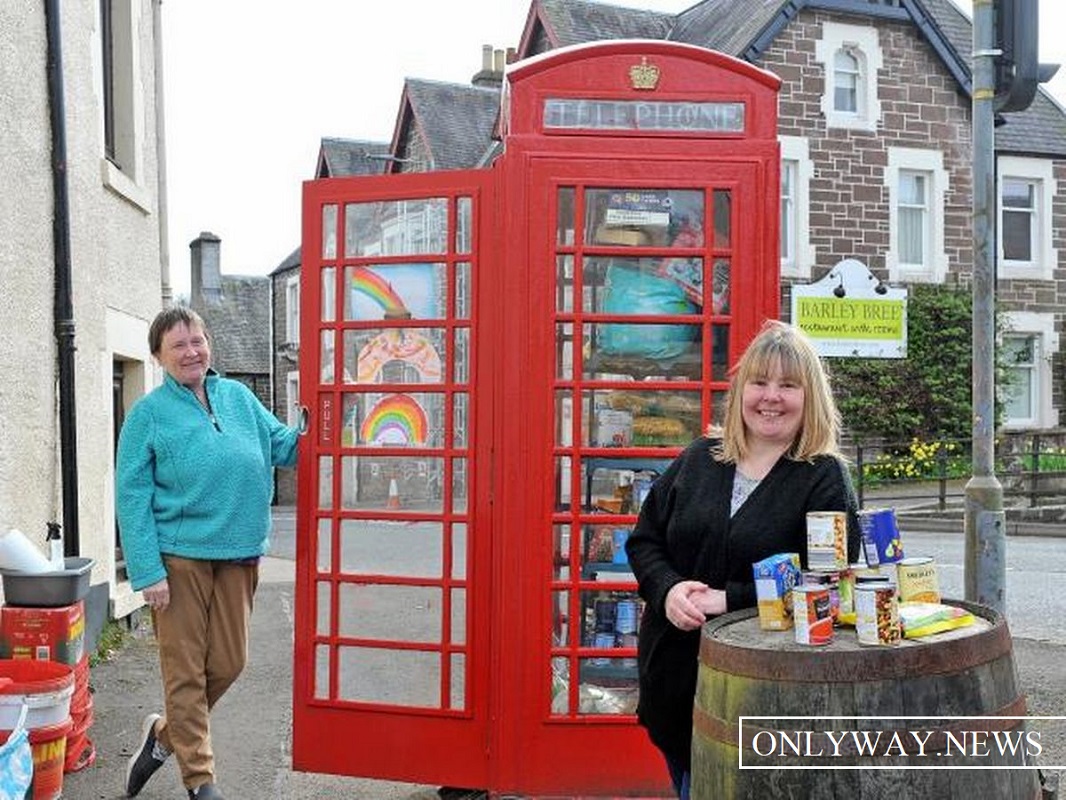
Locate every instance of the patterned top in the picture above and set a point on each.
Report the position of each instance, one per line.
(742, 487)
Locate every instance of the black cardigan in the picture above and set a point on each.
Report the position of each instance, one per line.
(685, 532)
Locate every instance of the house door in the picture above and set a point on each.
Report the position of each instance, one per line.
(391, 654)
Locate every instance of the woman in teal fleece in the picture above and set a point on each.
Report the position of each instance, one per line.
(194, 480)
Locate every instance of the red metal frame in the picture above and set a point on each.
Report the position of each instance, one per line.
(507, 738)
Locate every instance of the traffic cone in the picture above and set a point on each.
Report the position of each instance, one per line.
(394, 495)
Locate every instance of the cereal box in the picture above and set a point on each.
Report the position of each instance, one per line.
(775, 578)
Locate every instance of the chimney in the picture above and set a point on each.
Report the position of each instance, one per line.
(492, 65)
(206, 278)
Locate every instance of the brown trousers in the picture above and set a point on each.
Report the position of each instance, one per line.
(203, 647)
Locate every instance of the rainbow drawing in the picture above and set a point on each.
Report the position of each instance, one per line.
(396, 419)
(369, 283)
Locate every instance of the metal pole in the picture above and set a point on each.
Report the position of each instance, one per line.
(985, 566)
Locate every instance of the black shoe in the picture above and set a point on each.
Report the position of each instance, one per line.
(207, 791)
(149, 757)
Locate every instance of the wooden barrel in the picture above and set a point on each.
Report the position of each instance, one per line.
(968, 672)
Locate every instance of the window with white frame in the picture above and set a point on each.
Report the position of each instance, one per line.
(1024, 351)
(797, 254)
(917, 182)
(122, 98)
(292, 310)
(1026, 187)
(292, 398)
(850, 56)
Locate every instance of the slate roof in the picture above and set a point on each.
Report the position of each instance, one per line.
(570, 22)
(338, 158)
(239, 325)
(454, 120)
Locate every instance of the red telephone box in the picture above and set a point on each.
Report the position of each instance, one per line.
(498, 364)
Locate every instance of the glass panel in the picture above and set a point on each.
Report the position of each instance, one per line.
(616, 285)
(396, 227)
(395, 291)
(560, 685)
(464, 227)
(565, 216)
(611, 617)
(561, 553)
(643, 350)
(393, 420)
(458, 693)
(324, 562)
(459, 486)
(608, 686)
(564, 284)
(459, 550)
(643, 217)
(624, 418)
(618, 485)
(327, 357)
(329, 231)
(398, 677)
(322, 671)
(604, 555)
(1018, 194)
(564, 351)
(911, 235)
(325, 482)
(462, 290)
(391, 483)
(720, 287)
(458, 616)
(560, 619)
(460, 419)
(562, 483)
(564, 418)
(394, 355)
(322, 607)
(1017, 236)
(719, 353)
(723, 218)
(462, 355)
(380, 547)
(329, 294)
(393, 613)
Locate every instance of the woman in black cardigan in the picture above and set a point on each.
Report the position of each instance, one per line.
(731, 499)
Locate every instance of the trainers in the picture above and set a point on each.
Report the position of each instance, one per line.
(207, 791)
(148, 758)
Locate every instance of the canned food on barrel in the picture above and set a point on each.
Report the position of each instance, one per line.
(812, 614)
(881, 539)
(830, 579)
(827, 539)
(877, 614)
(917, 580)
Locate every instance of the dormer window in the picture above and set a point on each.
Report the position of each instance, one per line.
(850, 56)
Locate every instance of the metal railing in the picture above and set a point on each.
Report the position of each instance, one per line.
(933, 474)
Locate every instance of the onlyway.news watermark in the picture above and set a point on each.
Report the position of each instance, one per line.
(899, 742)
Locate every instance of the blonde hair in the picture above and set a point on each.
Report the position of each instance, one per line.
(779, 345)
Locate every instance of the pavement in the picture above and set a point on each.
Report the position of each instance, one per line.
(251, 726)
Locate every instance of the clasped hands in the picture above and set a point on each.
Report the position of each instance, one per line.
(689, 603)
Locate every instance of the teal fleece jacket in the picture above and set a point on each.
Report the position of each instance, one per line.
(196, 485)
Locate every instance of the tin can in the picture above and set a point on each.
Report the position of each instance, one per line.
(877, 614)
(917, 580)
(830, 579)
(813, 618)
(602, 641)
(625, 617)
(880, 536)
(827, 539)
(846, 592)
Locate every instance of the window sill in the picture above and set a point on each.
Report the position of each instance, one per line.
(121, 184)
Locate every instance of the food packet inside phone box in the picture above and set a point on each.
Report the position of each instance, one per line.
(775, 578)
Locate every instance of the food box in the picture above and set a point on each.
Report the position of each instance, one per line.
(775, 578)
(43, 634)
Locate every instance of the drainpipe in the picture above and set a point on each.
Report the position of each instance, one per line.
(64, 303)
(161, 156)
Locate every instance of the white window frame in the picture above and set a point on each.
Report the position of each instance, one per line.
(1041, 327)
(861, 43)
(1040, 173)
(795, 154)
(292, 398)
(292, 310)
(125, 175)
(931, 163)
